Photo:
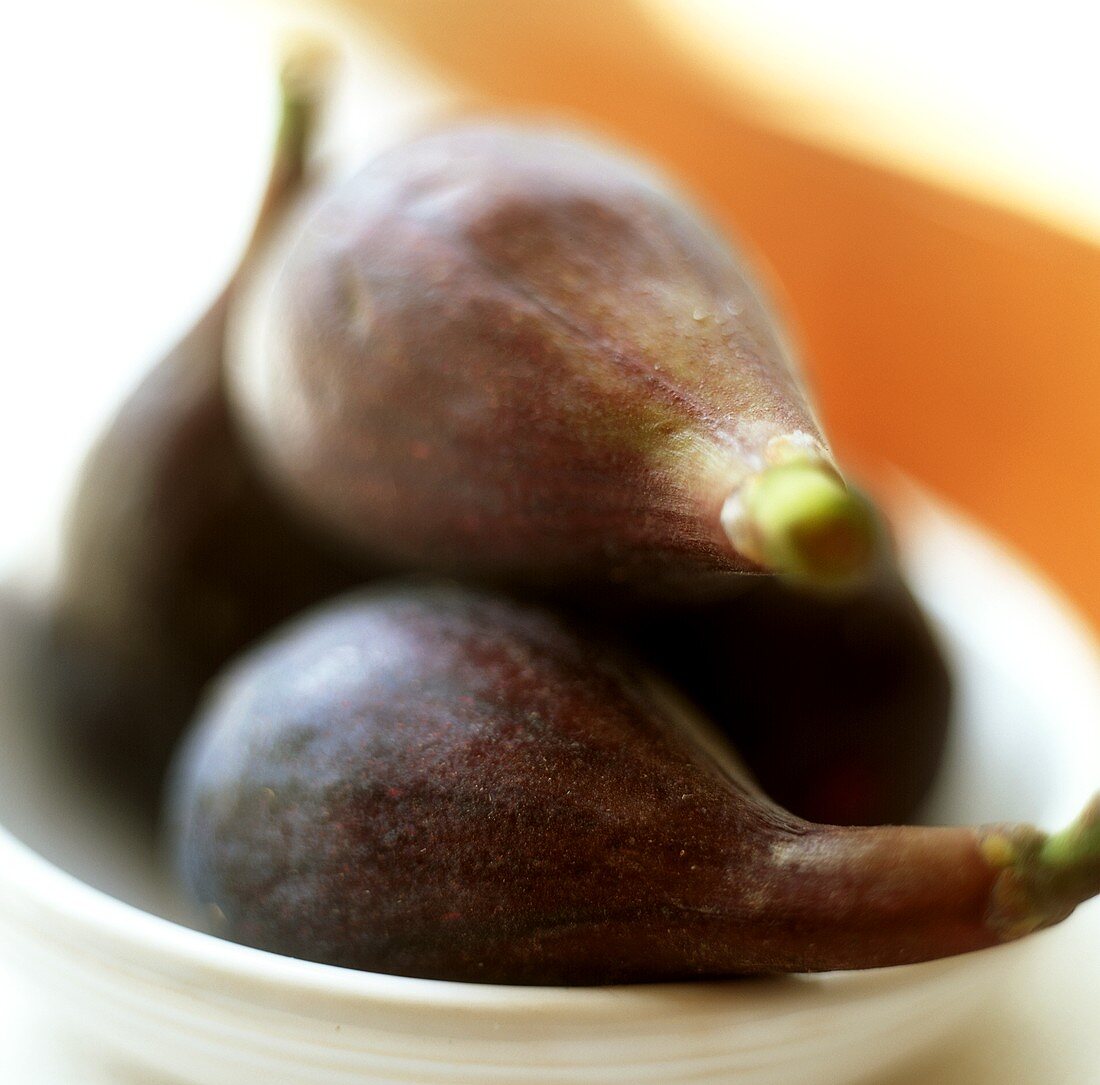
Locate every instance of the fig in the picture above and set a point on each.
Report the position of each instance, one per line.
(175, 554)
(839, 702)
(509, 354)
(435, 782)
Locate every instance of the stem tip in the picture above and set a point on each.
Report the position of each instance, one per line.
(799, 519)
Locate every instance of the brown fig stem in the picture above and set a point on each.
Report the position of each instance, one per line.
(798, 518)
(865, 898)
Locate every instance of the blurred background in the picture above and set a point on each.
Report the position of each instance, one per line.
(923, 183)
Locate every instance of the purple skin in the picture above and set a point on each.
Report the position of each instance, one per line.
(431, 782)
(175, 558)
(839, 702)
(512, 355)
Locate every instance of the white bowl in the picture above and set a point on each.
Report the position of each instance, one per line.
(134, 996)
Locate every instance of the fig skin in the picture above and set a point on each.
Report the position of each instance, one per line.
(175, 557)
(435, 783)
(507, 354)
(175, 554)
(839, 702)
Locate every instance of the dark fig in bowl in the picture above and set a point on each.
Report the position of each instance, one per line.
(175, 554)
(506, 353)
(436, 783)
(839, 702)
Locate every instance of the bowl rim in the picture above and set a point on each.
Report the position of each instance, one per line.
(243, 972)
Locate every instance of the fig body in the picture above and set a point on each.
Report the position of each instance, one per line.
(432, 782)
(175, 557)
(839, 702)
(509, 354)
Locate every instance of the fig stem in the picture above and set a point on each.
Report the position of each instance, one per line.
(1077, 846)
(798, 518)
(886, 895)
(1043, 878)
(303, 79)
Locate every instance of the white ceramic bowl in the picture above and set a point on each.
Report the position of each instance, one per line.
(135, 997)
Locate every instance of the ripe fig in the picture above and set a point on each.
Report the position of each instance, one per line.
(175, 554)
(839, 702)
(510, 354)
(432, 782)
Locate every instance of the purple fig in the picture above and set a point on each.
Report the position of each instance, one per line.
(175, 554)
(431, 782)
(509, 354)
(839, 702)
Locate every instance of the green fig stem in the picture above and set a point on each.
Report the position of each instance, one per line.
(1042, 878)
(799, 519)
(1078, 846)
